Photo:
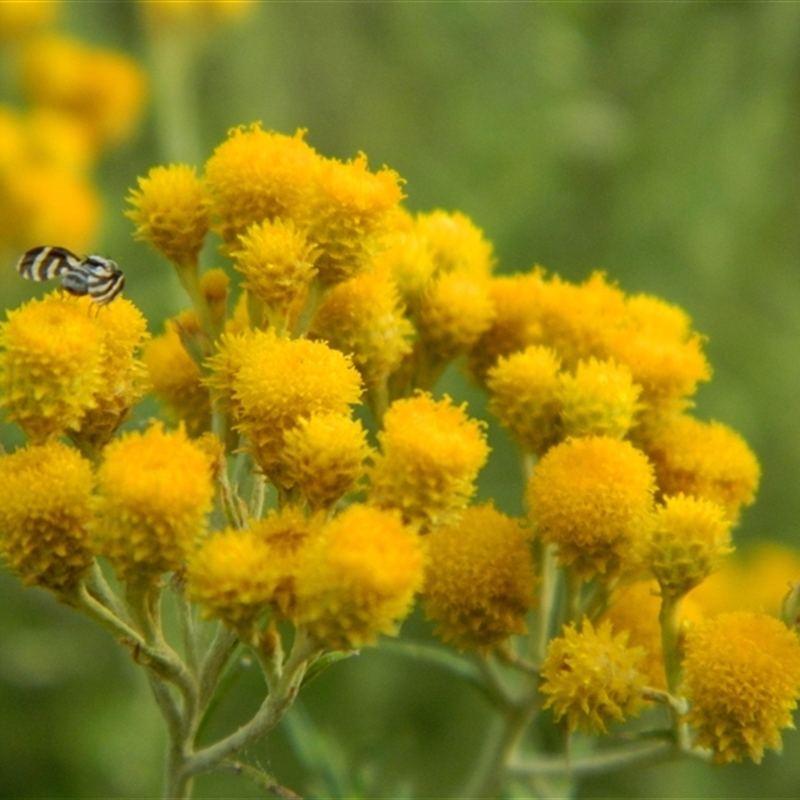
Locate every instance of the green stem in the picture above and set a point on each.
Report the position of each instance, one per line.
(669, 617)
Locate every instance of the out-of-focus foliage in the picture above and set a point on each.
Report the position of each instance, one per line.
(659, 142)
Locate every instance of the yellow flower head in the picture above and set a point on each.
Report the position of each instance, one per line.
(257, 175)
(103, 89)
(431, 454)
(408, 259)
(479, 579)
(576, 319)
(51, 358)
(154, 492)
(455, 243)
(362, 317)
(350, 212)
(592, 677)
(455, 310)
(172, 212)
(635, 610)
(598, 399)
(45, 514)
(276, 261)
(690, 536)
(523, 388)
(176, 379)
(281, 381)
(655, 340)
(324, 457)
(593, 499)
(742, 677)
(229, 576)
(359, 578)
(517, 301)
(704, 459)
(123, 329)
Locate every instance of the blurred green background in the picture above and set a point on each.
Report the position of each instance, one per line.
(659, 142)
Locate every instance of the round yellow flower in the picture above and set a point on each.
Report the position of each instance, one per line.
(479, 579)
(228, 575)
(359, 578)
(431, 454)
(742, 678)
(598, 399)
(362, 318)
(154, 490)
(172, 212)
(283, 380)
(455, 310)
(704, 459)
(277, 263)
(593, 499)
(523, 389)
(689, 538)
(455, 243)
(324, 457)
(256, 175)
(45, 515)
(51, 361)
(350, 212)
(592, 677)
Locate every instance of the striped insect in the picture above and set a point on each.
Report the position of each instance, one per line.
(98, 277)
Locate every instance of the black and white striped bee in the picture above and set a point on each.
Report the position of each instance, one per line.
(96, 276)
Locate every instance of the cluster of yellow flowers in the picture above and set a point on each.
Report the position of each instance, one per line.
(80, 100)
(346, 297)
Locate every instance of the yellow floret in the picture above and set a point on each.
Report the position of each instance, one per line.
(455, 243)
(359, 578)
(742, 678)
(324, 456)
(45, 515)
(256, 175)
(689, 539)
(172, 212)
(592, 498)
(362, 318)
(154, 490)
(431, 454)
(523, 389)
(592, 677)
(479, 579)
(276, 261)
(598, 399)
(51, 358)
(704, 459)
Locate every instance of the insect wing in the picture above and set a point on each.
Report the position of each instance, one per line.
(44, 263)
(103, 279)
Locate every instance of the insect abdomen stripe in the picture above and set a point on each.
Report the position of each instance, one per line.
(45, 263)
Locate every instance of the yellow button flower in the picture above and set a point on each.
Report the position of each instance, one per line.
(592, 677)
(172, 212)
(742, 678)
(704, 459)
(359, 578)
(45, 515)
(51, 359)
(524, 396)
(154, 490)
(593, 498)
(431, 454)
(479, 579)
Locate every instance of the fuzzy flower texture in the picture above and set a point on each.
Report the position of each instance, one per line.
(312, 476)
